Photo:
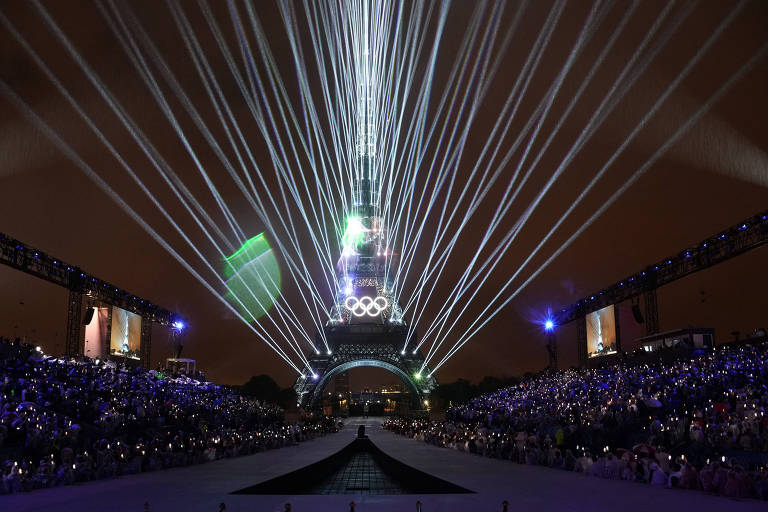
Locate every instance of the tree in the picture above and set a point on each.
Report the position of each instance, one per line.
(287, 398)
(262, 387)
(462, 390)
(490, 384)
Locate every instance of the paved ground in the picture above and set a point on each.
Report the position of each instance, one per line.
(202, 488)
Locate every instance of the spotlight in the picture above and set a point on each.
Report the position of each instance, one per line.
(314, 376)
(417, 375)
(179, 325)
(38, 348)
(549, 325)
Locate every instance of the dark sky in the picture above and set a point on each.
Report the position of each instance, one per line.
(714, 176)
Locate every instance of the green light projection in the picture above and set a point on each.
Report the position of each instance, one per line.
(354, 234)
(252, 276)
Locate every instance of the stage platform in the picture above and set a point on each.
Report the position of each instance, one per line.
(203, 487)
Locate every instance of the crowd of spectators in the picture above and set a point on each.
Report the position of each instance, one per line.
(64, 421)
(697, 423)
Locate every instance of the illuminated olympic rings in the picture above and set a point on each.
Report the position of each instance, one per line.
(366, 305)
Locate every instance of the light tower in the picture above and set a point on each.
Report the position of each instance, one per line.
(549, 328)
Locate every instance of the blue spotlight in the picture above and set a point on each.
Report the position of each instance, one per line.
(178, 325)
(549, 325)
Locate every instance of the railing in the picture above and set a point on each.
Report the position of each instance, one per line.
(353, 507)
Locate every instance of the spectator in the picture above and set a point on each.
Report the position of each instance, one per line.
(635, 417)
(64, 421)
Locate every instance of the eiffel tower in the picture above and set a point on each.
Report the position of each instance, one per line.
(366, 326)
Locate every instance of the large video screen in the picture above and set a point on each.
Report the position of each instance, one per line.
(125, 336)
(601, 332)
(96, 333)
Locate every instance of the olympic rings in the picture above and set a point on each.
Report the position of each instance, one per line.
(366, 305)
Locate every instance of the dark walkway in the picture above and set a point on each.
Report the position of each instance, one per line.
(359, 468)
(202, 488)
(360, 475)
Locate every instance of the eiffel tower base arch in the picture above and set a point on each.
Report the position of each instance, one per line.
(370, 345)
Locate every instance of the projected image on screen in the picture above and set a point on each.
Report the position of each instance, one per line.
(125, 336)
(96, 333)
(601, 332)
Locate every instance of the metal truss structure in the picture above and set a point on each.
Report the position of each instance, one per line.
(745, 236)
(366, 325)
(81, 284)
(369, 345)
(364, 330)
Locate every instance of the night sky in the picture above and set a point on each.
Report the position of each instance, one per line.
(713, 177)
